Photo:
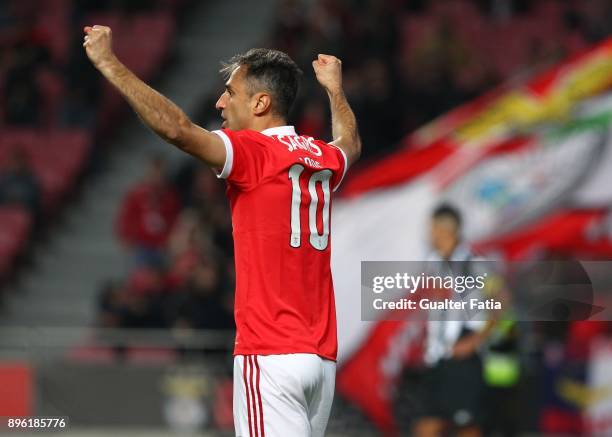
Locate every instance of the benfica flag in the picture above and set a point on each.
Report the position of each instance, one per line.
(530, 167)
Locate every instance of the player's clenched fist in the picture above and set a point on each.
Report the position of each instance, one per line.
(328, 70)
(98, 44)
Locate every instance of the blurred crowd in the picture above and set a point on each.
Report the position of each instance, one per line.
(406, 62)
(177, 231)
(55, 111)
(46, 80)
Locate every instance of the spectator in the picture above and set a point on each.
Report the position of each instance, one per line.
(453, 387)
(502, 374)
(18, 183)
(135, 304)
(147, 215)
(189, 240)
(187, 234)
(143, 295)
(200, 305)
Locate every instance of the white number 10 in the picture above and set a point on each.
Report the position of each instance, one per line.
(318, 241)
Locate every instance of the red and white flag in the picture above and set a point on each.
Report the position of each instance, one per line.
(530, 168)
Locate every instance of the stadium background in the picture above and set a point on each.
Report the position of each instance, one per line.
(115, 250)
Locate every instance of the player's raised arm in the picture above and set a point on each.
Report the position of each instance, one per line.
(161, 115)
(328, 70)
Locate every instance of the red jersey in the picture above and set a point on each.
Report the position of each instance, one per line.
(147, 215)
(279, 188)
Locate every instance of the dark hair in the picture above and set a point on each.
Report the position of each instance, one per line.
(271, 70)
(446, 210)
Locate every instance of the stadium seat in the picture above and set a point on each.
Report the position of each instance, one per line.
(57, 158)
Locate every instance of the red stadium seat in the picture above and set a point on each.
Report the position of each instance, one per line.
(57, 158)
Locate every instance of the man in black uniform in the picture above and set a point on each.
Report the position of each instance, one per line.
(453, 386)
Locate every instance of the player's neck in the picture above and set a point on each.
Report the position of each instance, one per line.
(260, 125)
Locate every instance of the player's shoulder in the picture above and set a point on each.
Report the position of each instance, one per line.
(267, 138)
(243, 134)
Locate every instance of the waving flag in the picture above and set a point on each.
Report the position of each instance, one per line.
(530, 167)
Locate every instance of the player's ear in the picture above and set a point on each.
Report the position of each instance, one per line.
(261, 103)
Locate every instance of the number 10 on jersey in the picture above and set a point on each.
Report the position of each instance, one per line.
(318, 241)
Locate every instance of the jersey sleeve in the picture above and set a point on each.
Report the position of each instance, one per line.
(246, 158)
(343, 166)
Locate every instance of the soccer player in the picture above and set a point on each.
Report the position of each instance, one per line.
(279, 185)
